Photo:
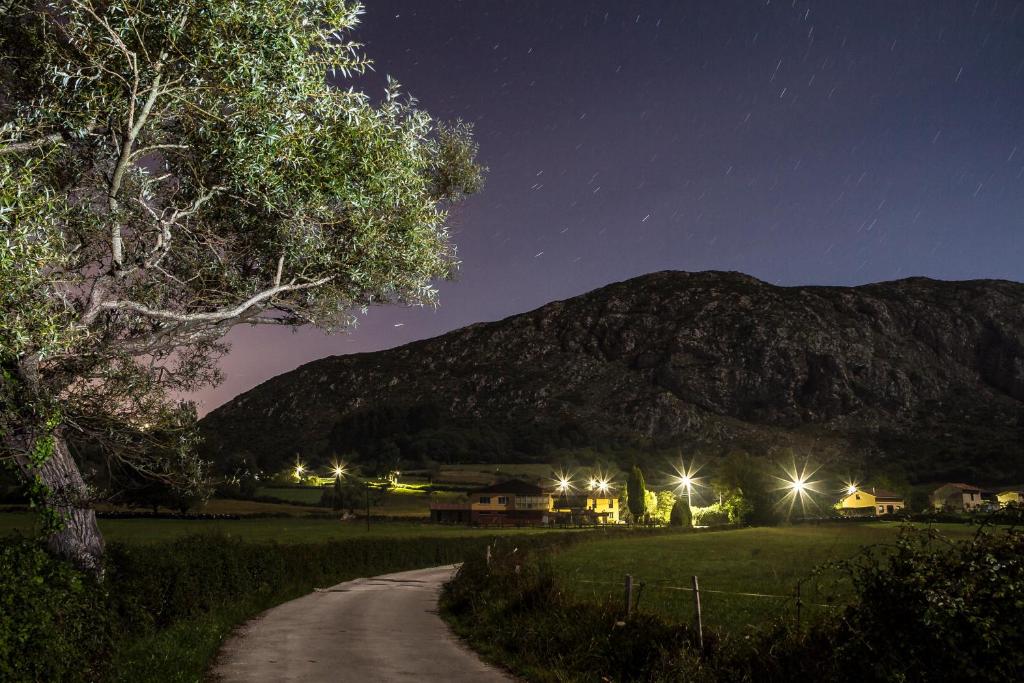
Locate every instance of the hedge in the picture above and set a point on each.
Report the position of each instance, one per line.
(59, 624)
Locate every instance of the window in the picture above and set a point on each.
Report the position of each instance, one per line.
(502, 500)
(857, 496)
(485, 500)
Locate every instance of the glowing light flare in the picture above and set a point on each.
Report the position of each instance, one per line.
(799, 486)
(685, 478)
(563, 482)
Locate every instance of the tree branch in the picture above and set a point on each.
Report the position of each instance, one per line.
(212, 316)
(30, 145)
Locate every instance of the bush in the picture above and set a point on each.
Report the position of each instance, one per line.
(682, 514)
(55, 624)
(926, 610)
(59, 624)
(512, 609)
(712, 515)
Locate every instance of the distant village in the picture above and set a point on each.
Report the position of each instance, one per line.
(516, 502)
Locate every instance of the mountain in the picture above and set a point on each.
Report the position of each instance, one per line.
(917, 376)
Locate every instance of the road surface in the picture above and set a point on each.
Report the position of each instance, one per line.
(381, 629)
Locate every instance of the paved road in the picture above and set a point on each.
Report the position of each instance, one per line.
(364, 631)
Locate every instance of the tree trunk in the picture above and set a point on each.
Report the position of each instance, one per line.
(79, 540)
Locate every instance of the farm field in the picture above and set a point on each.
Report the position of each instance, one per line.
(281, 530)
(761, 560)
(402, 501)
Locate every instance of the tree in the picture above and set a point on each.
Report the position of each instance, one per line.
(651, 504)
(681, 514)
(746, 491)
(636, 494)
(339, 494)
(666, 500)
(170, 169)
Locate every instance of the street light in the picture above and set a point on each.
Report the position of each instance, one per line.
(799, 486)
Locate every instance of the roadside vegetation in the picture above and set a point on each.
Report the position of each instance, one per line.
(163, 608)
(923, 605)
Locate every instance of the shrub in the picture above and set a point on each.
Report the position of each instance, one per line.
(55, 624)
(512, 607)
(925, 609)
(59, 624)
(712, 515)
(682, 514)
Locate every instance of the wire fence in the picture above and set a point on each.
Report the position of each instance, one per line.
(792, 604)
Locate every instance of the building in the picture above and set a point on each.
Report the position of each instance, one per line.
(508, 503)
(1011, 497)
(590, 508)
(860, 502)
(963, 497)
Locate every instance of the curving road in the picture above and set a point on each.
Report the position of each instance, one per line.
(381, 629)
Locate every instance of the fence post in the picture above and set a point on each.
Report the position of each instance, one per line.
(799, 604)
(629, 594)
(696, 604)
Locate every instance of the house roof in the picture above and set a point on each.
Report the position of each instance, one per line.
(962, 487)
(879, 494)
(516, 487)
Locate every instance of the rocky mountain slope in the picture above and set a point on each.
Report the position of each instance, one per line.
(923, 375)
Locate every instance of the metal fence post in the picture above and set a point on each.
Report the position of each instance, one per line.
(629, 594)
(696, 604)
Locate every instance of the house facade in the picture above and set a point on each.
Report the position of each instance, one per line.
(955, 496)
(586, 509)
(1010, 498)
(511, 503)
(876, 502)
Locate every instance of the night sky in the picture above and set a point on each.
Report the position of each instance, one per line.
(832, 143)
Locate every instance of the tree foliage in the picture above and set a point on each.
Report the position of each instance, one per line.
(681, 515)
(636, 493)
(169, 169)
(744, 485)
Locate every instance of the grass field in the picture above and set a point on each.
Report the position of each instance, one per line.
(756, 560)
(286, 530)
(403, 501)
